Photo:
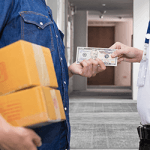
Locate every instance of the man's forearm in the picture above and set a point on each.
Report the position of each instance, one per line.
(4, 125)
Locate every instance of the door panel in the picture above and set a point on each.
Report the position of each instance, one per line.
(102, 37)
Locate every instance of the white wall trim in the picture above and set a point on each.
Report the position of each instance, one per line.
(61, 15)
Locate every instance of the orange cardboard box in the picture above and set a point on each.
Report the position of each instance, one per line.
(32, 107)
(24, 64)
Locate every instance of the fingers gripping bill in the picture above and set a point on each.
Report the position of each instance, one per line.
(104, 54)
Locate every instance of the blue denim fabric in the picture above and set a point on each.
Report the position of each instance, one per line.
(32, 20)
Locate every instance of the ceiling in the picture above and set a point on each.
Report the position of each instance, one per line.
(115, 9)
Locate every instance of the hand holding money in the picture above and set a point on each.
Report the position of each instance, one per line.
(104, 54)
(126, 53)
(87, 68)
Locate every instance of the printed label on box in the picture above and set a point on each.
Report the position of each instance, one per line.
(11, 110)
(55, 103)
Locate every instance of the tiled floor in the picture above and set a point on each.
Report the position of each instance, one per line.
(104, 136)
(92, 107)
(103, 123)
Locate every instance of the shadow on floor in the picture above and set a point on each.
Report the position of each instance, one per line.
(105, 92)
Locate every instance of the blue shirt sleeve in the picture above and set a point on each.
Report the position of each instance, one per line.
(6, 7)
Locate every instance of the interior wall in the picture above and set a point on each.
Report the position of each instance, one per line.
(80, 39)
(71, 48)
(70, 42)
(58, 10)
(53, 5)
(123, 34)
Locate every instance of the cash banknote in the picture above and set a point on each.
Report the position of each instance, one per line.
(85, 53)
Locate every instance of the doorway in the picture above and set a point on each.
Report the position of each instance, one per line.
(102, 37)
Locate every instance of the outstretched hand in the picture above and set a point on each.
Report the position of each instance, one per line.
(87, 68)
(126, 53)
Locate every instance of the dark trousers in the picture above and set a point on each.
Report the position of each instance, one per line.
(144, 145)
(54, 136)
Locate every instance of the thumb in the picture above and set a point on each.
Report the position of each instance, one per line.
(118, 53)
(36, 139)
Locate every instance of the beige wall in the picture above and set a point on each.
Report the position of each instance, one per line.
(123, 34)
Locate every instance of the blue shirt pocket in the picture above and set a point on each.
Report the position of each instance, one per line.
(37, 28)
(142, 73)
(38, 19)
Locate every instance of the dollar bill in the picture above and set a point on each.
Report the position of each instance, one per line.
(85, 53)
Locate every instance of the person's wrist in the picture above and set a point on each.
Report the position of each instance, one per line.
(70, 72)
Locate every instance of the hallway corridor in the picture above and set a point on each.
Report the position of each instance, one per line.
(99, 124)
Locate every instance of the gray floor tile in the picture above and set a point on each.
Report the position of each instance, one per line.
(99, 124)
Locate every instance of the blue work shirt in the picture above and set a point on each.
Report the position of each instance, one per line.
(31, 20)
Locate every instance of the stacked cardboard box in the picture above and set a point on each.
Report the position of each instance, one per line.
(28, 85)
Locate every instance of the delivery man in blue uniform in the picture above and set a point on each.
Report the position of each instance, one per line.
(32, 21)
